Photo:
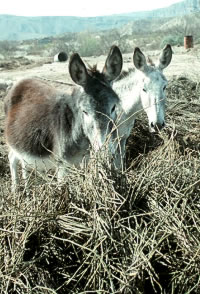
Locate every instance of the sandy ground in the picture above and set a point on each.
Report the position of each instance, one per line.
(184, 62)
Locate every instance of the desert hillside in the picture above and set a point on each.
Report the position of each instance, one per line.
(20, 28)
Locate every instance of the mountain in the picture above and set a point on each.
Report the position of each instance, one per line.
(188, 24)
(21, 28)
(174, 10)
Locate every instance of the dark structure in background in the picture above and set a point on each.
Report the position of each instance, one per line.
(188, 42)
(61, 57)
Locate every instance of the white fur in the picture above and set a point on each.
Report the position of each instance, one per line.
(141, 90)
(41, 165)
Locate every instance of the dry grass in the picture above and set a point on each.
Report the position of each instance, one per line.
(137, 232)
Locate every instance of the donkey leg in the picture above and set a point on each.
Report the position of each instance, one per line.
(123, 154)
(61, 174)
(13, 161)
(25, 174)
(119, 161)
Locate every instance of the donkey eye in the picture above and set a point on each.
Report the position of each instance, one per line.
(144, 90)
(85, 112)
(113, 109)
(164, 88)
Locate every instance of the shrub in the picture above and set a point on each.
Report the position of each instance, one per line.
(89, 44)
(8, 47)
(173, 40)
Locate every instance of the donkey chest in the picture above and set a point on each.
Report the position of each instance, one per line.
(51, 162)
(39, 163)
(75, 152)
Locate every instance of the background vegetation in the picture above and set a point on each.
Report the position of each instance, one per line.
(149, 34)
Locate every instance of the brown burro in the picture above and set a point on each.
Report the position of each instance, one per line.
(43, 123)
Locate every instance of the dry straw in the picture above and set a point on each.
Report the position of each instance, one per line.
(103, 231)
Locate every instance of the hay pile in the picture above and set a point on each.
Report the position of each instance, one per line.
(137, 232)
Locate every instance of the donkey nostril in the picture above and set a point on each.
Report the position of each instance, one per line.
(163, 124)
(152, 125)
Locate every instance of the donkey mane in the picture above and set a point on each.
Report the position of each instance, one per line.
(124, 74)
(95, 73)
(150, 61)
(92, 68)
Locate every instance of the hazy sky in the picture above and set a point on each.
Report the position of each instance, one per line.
(79, 8)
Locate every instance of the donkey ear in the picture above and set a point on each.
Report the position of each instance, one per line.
(77, 70)
(165, 57)
(139, 59)
(113, 64)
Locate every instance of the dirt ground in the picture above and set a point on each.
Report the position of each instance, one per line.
(184, 62)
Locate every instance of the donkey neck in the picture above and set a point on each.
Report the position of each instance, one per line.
(72, 141)
(128, 89)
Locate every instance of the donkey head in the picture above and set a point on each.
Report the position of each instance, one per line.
(152, 86)
(97, 100)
